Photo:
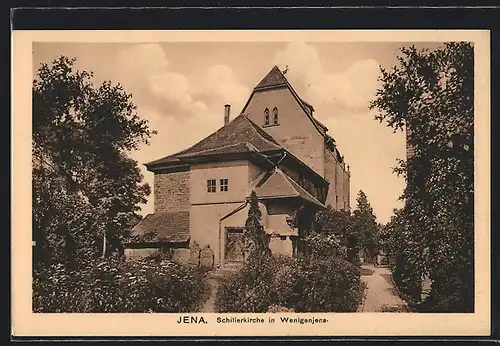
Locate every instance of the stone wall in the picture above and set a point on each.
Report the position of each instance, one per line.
(136, 254)
(171, 191)
(179, 255)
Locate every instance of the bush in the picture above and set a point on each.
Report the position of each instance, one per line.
(326, 244)
(327, 285)
(250, 289)
(452, 290)
(317, 285)
(115, 285)
(407, 278)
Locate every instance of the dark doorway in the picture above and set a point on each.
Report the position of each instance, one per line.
(234, 245)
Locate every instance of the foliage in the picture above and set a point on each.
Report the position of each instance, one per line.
(365, 222)
(431, 94)
(320, 284)
(85, 187)
(403, 256)
(324, 284)
(355, 232)
(250, 289)
(325, 244)
(279, 309)
(115, 285)
(255, 237)
(339, 223)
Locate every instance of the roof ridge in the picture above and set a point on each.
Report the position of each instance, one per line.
(179, 153)
(212, 149)
(257, 180)
(213, 134)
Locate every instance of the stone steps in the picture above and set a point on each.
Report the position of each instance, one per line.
(226, 269)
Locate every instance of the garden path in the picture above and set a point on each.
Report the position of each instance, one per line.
(381, 294)
(209, 305)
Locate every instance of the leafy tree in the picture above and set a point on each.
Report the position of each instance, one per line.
(395, 240)
(339, 224)
(431, 94)
(366, 224)
(356, 232)
(85, 187)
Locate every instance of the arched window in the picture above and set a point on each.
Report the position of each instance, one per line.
(266, 112)
(275, 116)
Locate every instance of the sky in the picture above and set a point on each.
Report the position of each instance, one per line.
(181, 89)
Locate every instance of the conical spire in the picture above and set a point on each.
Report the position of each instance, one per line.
(274, 78)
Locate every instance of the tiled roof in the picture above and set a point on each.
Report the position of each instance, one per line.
(273, 78)
(303, 193)
(275, 184)
(172, 227)
(232, 138)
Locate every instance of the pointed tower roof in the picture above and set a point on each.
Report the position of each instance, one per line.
(274, 78)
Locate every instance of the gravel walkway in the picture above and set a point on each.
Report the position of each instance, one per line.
(380, 294)
(209, 305)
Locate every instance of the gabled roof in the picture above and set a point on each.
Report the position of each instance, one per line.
(273, 78)
(171, 227)
(277, 184)
(239, 136)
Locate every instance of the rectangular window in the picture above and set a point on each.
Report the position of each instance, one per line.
(211, 187)
(224, 184)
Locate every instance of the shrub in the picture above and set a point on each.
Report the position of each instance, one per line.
(277, 308)
(327, 285)
(250, 289)
(326, 244)
(298, 284)
(451, 290)
(114, 285)
(407, 278)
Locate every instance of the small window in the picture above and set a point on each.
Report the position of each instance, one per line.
(275, 116)
(266, 113)
(211, 187)
(224, 184)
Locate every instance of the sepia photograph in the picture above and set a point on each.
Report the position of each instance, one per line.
(232, 177)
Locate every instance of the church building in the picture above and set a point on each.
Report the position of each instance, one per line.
(276, 147)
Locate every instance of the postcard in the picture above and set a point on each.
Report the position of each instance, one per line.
(251, 183)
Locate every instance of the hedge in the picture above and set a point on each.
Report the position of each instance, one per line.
(293, 284)
(115, 285)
